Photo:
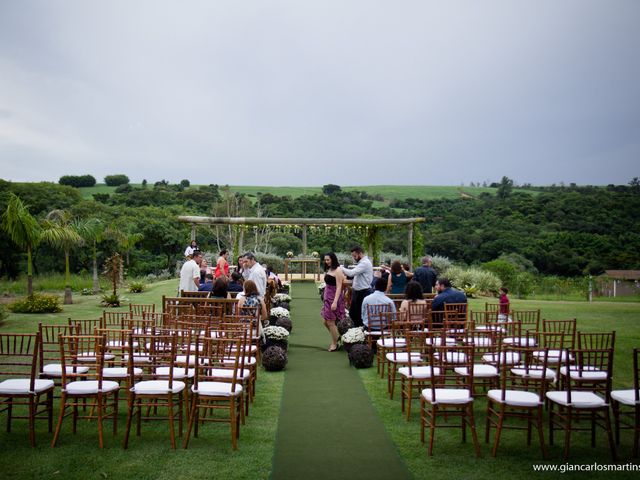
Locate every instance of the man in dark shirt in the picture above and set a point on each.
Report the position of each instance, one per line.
(207, 286)
(426, 275)
(446, 294)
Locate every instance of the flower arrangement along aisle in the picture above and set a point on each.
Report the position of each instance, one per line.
(281, 300)
(352, 337)
(274, 359)
(277, 313)
(275, 335)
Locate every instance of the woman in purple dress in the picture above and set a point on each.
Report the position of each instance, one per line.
(333, 306)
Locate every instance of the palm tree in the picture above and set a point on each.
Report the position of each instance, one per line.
(24, 231)
(63, 232)
(93, 232)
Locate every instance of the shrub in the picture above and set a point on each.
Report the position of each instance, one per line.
(276, 262)
(361, 356)
(37, 303)
(115, 180)
(440, 263)
(136, 287)
(481, 280)
(77, 180)
(274, 359)
(3, 313)
(110, 300)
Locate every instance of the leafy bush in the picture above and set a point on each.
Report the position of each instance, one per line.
(276, 262)
(3, 313)
(160, 276)
(86, 291)
(136, 287)
(77, 180)
(37, 304)
(481, 280)
(110, 300)
(440, 264)
(115, 180)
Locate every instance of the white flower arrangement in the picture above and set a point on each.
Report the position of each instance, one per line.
(290, 254)
(321, 287)
(280, 312)
(276, 333)
(281, 297)
(315, 254)
(354, 335)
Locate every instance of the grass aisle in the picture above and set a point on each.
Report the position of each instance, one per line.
(327, 427)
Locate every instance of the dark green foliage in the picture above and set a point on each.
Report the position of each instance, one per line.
(330, 189)
(3, 313)
(37, 304)
(111, 300)
(77, 180)
(115, 180)
(136, 287)
(185, 183)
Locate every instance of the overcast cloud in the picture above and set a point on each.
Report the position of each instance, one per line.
(309, 93)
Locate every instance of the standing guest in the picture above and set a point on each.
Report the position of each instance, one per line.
(333, 297)
(425, 275)
(503, 315)
(222, 265)
(219, 289)
(207, 285)
(271, 275)
(413, 294)
(240, 268)
(250, 298)
(446, 294)
(378, 297)
(398, 278)
(190, 273)
(235, 285)
(191, 248)
(204, 269)
(362, 275)
(252, 270)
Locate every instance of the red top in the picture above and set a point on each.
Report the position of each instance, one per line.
(504, 304)
(218, 272)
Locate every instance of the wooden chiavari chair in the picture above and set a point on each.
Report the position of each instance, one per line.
(626, 406)
(139, 309)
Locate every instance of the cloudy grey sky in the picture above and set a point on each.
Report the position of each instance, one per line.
(309, 92)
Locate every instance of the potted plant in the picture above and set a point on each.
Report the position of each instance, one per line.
(281, 300)
(274, 359)
(352, 337)
(275, 335)
(276, 313)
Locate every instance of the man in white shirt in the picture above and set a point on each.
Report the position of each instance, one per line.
(378, 297)
(362, 275)
(190, 273)
(252, 270)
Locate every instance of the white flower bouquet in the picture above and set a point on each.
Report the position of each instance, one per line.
(289, 254)
(276, 333)
(281, 297)
(354, 335)
(279, 312)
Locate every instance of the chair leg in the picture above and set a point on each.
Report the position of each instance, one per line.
(192, 417)
(115, 413)
(63, 407)
(543, 447)
(496, 440)
(232, 413)
(616, 419)
(50, 410)
(432, 428)
(636, 436)
(422, 418)
(9, 415)
(172, 433)
(130, 407)
(32, 420)
(474, 433)
(100, 401)
(612, 443)
(567, 433)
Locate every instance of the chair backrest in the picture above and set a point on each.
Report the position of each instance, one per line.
(485, 319)
(152, 351)
(115, 343)
(530, 319)
(379, 316)
(216, 354)
(419, 311)
(87, 326)
(115, 319)
(194, 294)
(157, 318)
(492, 307)
(591, 370)
(19, 356)
(138, 309)
(49, 342)
(456, 315)
(444, 360)
(521, 370)
(597, 341)
(82, 358)
(636, 374)
(566, 327)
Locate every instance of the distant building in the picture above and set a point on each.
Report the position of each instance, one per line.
(618, 283)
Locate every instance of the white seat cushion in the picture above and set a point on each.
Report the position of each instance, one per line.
(216, 389)
(555, 356)
(179, 373)
(489, 328)
(418, 372)
(157, 387)
(515, 398)
(55, 370)
(140, 358)
(403, 357)
(90, 357)
(479, 371)
(437, 341)
(21, 386)
(119, 372)
(452, 357)
(119, 344)
(521, 341)
(578, 399)
(182, 359)
(588, 373)
(626, 397)
(479, 341)
(389, 342)
(534, 373)
(90, 387)
(226, 373)
(511, 358)
(457, 396)
(247, 361)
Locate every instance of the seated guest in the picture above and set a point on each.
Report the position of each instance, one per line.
(377, 298)
(446, 294)
(207, 286)
(235, 285)
(413, 295)
(250, 297)
(219, 289)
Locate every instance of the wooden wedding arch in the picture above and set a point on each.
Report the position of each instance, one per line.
(372, 225)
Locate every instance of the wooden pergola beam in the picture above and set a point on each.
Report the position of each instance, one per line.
(297, 221)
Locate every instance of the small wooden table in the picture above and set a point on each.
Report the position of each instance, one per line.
(304, 261)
